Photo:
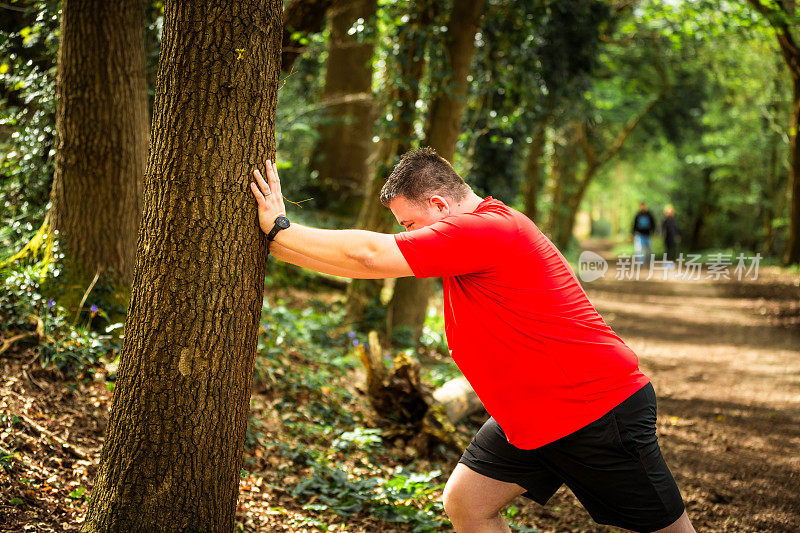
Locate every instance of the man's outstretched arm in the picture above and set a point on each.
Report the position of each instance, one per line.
(279, 251)
(351, 253)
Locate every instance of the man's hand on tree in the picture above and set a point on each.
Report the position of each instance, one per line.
(269, 197)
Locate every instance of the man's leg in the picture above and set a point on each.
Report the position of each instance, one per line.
(473, 501)
(681, 525)
(637, 248)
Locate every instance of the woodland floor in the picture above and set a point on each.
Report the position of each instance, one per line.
(724, 358)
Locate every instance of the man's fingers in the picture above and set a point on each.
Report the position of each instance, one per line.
(258, 194)
(272, 174)
(277, 179)
(262, 184)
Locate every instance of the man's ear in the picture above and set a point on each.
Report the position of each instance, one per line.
(439, 203)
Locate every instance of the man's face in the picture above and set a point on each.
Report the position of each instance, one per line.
(642, 206)
(414, 216)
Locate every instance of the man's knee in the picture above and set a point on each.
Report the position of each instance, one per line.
(465, 498)
(454, 500)
(458, 503)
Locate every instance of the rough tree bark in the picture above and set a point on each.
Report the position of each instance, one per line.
(101, 124)
(178, 419)
(344, 151)
(409, 300)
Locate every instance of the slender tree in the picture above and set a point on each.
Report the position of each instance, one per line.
(175, 437)
(533, 170)
(783, 18)
(401, 106)
(101, 123)
(409, 300)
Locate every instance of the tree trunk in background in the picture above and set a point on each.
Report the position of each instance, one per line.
(703, 209)
(792, 254)
(533, 170)
(178, 419)
(781, 15)
(303, 16)
(401, 102)
(343, 154)
(772, 200)
(409, 303)
(101, 123)
(562, 176)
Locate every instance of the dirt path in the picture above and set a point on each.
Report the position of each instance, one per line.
(724, 358)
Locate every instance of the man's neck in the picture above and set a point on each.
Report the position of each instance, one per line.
(468, 204)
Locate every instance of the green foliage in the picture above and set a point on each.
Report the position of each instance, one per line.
(79, 494)
(299, 114)
(300, 353)
(433, 334)
(715, 145)
(403, 498)
(403, 336)
(28, 56)
(73, 346)
(359, 438)
(535, 60)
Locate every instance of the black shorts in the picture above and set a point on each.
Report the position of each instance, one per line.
(613, 466)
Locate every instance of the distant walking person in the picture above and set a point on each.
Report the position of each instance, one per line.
(643, 227)
(670, 233)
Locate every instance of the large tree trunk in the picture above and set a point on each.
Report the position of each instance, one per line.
(409, 302)
(101, 124)
(343, 154)
(178, 419)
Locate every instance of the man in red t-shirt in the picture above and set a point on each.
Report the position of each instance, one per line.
(567, 401)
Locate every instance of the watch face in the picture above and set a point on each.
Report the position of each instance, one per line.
(282, 222)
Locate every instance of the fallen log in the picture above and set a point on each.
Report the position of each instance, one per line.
(458, 399)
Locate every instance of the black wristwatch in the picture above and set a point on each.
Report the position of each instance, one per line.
(280, 223)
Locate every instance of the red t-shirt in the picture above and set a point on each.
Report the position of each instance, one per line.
(520, 326)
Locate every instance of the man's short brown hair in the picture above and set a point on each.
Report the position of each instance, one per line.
(420, 174)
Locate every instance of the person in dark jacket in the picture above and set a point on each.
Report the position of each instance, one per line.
(670, 233)
(644, 225)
